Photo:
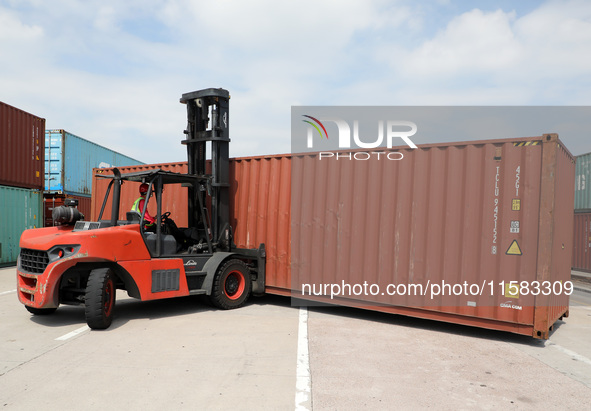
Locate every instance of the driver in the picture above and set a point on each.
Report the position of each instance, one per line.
(138, 206)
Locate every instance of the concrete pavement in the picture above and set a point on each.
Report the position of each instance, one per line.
(169, 354)
(581, 280)
(181, 354)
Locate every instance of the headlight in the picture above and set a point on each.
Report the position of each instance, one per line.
(62, 251)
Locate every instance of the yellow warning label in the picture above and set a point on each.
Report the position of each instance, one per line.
(512, 289)
(514, 249)
(516, 204)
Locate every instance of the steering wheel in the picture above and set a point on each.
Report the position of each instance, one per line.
(165, 216)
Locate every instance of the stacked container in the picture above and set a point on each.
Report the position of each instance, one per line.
(582, 223)
(69, 161)
(20, 209)
(21, 148)
(21, 177)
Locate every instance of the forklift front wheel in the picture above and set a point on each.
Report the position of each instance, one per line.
(231, 286)
(100, 298)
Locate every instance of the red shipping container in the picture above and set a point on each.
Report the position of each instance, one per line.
(582, 241)
(22, 148)
(480, 213)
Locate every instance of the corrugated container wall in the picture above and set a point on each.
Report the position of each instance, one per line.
(20, 209)
(582, 242)
(483, 212)
(480, 213)
(260, 198)
(21, 148)
(583, 182)
(69, 161)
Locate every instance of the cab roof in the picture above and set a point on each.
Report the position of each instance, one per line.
(168, 177)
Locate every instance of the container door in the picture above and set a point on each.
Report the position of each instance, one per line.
(54, 161)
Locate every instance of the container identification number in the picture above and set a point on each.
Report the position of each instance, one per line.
(496, 212)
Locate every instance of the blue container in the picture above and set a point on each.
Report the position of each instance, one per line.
(20, 209)
(69, 161)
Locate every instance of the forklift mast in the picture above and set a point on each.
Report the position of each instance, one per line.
(208, 120)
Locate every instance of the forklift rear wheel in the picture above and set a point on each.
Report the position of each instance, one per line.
(100, 298)
(40, 311)
(231, 286)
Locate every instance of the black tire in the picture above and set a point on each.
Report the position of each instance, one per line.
(100, 298)
(40, 311)
(231, 285)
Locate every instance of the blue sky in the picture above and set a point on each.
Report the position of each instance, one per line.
(113, 71)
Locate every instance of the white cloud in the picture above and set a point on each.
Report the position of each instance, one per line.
(499, 58)
(473, 41)
(12, 29)
(557, 38)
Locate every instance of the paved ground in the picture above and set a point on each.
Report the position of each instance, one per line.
(180, 354)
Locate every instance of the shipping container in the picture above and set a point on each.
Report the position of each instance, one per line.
(582, 241)
(477, 215)
(20, 209)
(53, 200)
(582, 182)
(69, 161)
(21, 148)
(493, 215)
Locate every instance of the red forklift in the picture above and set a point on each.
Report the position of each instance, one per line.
(81, 262)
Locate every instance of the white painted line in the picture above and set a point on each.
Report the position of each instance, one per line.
(7, 292)
(572, 354)
(303, 395)
(72, 334)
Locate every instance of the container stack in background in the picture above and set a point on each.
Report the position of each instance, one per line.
(582, 224)
(39, 170)
(21, 177)
(69, 161)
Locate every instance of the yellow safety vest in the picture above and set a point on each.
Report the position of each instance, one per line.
(136, 208)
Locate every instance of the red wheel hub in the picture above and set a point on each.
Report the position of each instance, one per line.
(234, 285)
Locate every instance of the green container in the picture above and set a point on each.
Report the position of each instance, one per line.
(583, 182)
(20, 209)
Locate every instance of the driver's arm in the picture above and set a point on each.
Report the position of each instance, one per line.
(149, 218)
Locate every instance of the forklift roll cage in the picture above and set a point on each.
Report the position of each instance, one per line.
(157, 179)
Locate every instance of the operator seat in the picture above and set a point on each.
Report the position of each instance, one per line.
(133, 217)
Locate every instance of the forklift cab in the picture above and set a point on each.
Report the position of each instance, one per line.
(166, 238)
